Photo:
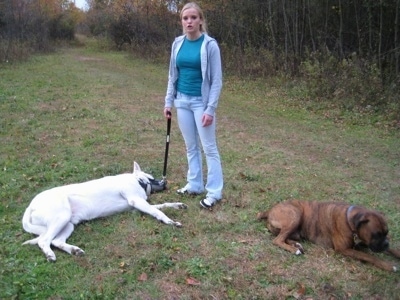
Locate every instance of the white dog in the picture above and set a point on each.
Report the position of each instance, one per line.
(53, 213)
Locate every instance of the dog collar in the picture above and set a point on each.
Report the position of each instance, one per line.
(356, 239)
(146, 186)
(349, 209)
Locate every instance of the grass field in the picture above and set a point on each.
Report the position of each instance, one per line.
(78, 114)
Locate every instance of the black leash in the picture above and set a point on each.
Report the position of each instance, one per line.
(167, 146)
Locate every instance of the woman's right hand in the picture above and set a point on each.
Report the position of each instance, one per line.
(167, 112)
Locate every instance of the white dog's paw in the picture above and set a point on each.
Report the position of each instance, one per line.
(77, 251)
(177, 224)
(182, 206)
(51, 257)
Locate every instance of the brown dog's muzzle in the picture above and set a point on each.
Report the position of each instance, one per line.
(379, 246)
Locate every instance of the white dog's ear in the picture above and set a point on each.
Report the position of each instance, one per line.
(136, 167)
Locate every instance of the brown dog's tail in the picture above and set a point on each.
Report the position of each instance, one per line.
(262, 215)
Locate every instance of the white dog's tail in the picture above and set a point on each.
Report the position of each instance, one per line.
(31, 228)
(32, 241)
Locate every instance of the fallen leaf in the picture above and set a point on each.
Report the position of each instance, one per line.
(302, 289)
(143, 277)
(192, 281)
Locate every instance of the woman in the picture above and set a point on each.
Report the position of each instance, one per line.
(194, 86)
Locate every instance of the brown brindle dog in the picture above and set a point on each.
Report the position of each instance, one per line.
(332, 225)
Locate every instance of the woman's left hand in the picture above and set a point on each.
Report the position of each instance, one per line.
(207, 120)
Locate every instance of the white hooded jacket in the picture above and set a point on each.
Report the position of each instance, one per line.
(211, 71)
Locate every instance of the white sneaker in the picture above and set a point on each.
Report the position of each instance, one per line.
(185, 191)
(208, 202)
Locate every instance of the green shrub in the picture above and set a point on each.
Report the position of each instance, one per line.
(352, 84)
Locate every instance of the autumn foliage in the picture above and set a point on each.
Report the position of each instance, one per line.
(27, 26)
(336, 46)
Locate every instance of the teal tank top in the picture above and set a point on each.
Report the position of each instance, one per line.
(188, 63)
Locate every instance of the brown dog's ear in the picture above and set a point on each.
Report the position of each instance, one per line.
(360, 219)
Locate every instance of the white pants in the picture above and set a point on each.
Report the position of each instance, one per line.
(189, 113)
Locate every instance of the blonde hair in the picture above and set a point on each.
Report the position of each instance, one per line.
(203, 27)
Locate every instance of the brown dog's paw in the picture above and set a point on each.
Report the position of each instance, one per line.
(262, 215)
(299, 248)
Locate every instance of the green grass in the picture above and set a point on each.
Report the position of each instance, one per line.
(80, 114)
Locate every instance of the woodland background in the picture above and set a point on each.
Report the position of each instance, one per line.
(341, 54)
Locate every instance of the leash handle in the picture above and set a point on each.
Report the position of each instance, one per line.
(169, 114)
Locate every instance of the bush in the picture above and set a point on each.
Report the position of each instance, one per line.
(351, 83)
(250, 61)
(62, 27)
(14, 50)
